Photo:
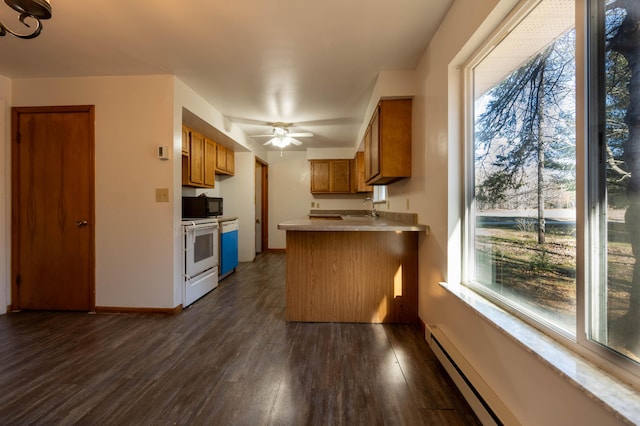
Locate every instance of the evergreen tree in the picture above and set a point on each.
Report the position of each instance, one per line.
(527, 128)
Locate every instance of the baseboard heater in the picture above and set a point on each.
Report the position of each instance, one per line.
(489, 409)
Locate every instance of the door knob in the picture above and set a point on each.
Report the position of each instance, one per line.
(81, 223)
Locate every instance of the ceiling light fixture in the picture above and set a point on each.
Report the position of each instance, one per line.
(36, 9)
(281, 137)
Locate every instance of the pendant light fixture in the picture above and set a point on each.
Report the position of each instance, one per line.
(35, 9)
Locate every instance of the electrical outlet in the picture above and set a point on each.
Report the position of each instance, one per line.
(317, 205)
(313, 204)
(407, 204)
(388, 204)
(162, 195)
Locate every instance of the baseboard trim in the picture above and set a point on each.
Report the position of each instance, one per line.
(423, 327)
(487, 406)
(136, 310)
(278, 250)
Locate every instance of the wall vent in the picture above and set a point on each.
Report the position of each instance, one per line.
(489, 409)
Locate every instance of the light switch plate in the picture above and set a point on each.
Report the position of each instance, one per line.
(162, 195)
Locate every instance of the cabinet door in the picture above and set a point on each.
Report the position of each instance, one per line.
(340, 174)
(374, 153)
(231, 162)
(221, 158)
(359, 174)
(186, 132)
(320, 176)
(367, 153)
(209, 163)
(395, 139)
(196, 159)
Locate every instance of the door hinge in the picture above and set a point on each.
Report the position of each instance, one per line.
(18, 279)
(18, 137)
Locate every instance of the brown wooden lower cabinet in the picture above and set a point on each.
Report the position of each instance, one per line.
(352, 276)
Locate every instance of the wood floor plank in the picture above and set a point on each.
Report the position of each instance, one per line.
(230, 358)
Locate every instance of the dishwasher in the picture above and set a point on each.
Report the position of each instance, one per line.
(228, 247)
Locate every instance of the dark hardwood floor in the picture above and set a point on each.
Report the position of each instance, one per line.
(229, 359)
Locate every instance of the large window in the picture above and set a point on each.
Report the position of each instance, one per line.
(523, 229)
(614, 296)
(523, 235)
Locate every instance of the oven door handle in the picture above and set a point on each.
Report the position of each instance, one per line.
(199, 226)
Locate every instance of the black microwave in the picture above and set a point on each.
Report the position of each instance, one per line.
(201, 206)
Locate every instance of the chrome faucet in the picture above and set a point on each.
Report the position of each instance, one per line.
(373, 213)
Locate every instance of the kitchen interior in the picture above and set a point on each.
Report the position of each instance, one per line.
(199, 159)
(210, 236)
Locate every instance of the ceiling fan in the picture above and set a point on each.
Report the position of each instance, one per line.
(282, 137)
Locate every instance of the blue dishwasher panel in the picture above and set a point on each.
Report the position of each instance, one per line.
(229, 247)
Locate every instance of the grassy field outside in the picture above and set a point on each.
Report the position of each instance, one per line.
(541, 277)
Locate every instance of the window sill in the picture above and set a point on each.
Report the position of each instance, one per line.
(618, 397)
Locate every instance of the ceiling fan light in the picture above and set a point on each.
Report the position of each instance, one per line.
(281, 142)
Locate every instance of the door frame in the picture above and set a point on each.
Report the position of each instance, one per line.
(15, 188)
(264, 200)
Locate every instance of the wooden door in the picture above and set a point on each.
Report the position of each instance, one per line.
(263, 213)
(53, 208)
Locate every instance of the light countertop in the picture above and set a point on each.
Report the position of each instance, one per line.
(379, 224)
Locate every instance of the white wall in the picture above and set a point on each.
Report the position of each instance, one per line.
(133, 233)
(239, 200)
(5, 191)
(290, 193)
(517, 376)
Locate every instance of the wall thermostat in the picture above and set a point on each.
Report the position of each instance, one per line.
(163, 152)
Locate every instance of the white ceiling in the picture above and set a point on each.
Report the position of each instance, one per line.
(310, 63)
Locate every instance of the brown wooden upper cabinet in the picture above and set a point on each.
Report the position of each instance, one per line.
(331, 176)
(203, 159)
(341, 176)
(225, 160)
(198, 161)
(387, 142)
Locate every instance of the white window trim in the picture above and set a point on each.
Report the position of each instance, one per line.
(578, 345)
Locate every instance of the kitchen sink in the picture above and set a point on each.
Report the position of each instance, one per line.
(362, 217)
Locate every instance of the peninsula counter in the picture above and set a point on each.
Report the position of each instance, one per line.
(352, 270)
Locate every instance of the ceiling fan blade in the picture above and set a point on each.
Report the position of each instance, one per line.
(270, 141)
(301, 135)
(249, 121)
(296, 142)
